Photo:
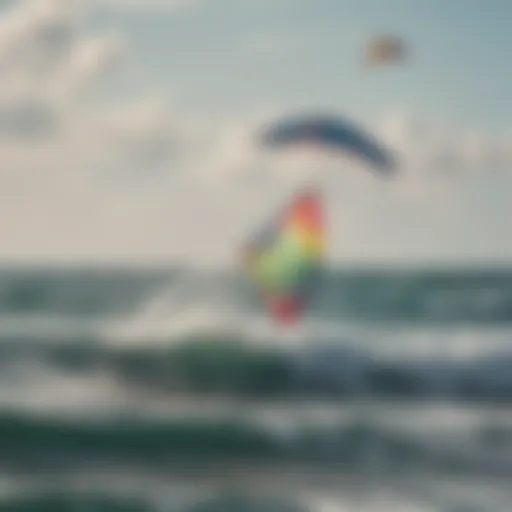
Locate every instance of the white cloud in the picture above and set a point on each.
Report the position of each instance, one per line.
(57, 102)
(433, 146)
(89, 60)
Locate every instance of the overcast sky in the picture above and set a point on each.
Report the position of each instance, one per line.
(125, 127)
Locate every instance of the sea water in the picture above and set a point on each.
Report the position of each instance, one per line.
(411, 409)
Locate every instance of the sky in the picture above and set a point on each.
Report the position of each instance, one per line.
(127, 127)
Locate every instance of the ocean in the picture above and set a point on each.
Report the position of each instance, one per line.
(156, 389)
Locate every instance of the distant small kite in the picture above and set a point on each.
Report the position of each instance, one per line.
(385, 49)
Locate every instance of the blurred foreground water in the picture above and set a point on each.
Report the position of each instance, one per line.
(169, 390)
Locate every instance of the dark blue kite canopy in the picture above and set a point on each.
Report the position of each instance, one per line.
(332, 132)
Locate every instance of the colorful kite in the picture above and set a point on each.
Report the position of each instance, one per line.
(285, 259)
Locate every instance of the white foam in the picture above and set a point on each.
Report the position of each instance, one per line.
(170, 315)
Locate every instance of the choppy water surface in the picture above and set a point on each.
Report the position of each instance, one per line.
(161, 389)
